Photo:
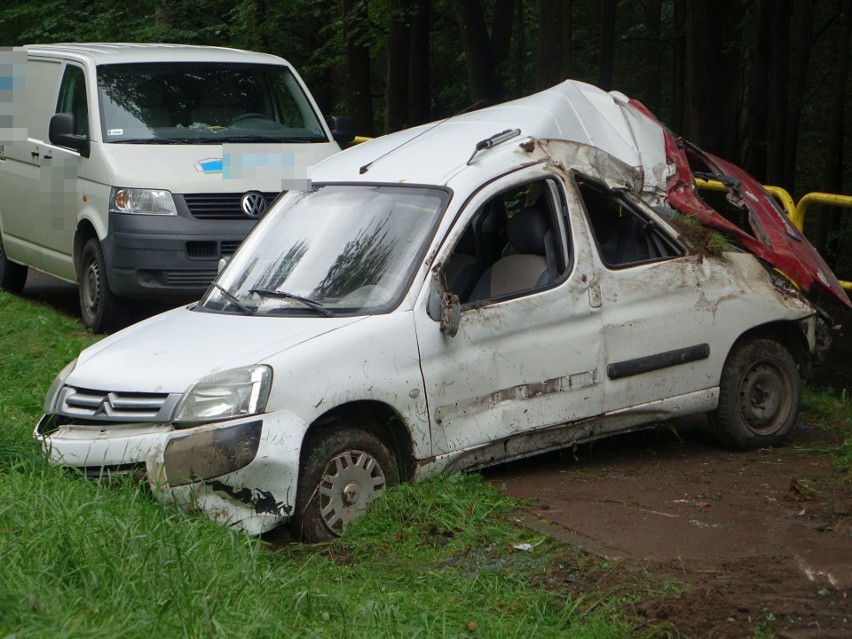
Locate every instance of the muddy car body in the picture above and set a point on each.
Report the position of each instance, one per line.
(503, 283)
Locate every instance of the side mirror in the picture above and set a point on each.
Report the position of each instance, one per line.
(444, 307)
(342, 128)
(61, 133)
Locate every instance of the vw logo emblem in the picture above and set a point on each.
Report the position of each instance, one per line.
(253, 204)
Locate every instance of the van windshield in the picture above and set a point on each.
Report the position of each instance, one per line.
(334, 250)
(198, 103)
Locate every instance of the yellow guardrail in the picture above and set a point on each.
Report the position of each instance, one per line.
(795, 210)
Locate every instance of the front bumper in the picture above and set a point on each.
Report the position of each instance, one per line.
(173, 256)
(241, 473)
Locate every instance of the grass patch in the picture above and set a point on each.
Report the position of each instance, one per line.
(832, 412)
(89, 559)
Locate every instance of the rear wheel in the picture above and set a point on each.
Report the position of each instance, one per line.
(12, 276)
(99, 308)
(343, 471)
(759, 396)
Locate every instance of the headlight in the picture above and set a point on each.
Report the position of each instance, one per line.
(56, 386)
(141, 201)
(235, 393)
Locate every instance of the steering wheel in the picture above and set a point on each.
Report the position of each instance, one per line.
(248, 116)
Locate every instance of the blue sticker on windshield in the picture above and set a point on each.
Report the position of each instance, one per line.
(210, 165)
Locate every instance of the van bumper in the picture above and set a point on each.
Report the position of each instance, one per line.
(167, 256)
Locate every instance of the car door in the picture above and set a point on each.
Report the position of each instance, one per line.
(657, 304)
(527, 354)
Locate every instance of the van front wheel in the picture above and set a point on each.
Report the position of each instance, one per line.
(343, 471)
(98, 305)
(12, 276)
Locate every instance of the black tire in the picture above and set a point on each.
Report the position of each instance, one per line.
(342, 471)
(12, 276)
(759, 396)
(99, 308)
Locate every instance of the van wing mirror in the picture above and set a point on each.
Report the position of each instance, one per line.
(342, 128)
(444, 307)
(61, 133)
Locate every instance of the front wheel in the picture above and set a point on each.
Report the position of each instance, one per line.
(12, 276)
(759, 396)
(343, 470)
(99, 308)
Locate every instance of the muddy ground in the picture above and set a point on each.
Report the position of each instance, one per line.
(763, 540)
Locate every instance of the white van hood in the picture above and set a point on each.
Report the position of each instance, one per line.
(212, 168)
(168, 352)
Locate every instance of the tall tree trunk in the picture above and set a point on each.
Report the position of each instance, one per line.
(779, 101)
(501, 31)
(829, 221)
(651, 67)
(712, 73)
(804, 19)
(679, 67)
(419, 73)
(757, 96)
(606, 44)
(567, 36)
(359, 99)
(548, 58)
(481, 75)
(398, 64)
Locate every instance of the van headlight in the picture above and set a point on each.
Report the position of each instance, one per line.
(141, 201)
(56, 386)
(235, 393)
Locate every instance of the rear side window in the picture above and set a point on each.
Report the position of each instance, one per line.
(72, 98)
(624, 235)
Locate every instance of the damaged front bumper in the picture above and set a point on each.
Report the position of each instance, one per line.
(241, 473)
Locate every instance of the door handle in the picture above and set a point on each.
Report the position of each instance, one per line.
(34, 154)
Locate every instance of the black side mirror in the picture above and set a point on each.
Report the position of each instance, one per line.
(342, 128)
(61, 133)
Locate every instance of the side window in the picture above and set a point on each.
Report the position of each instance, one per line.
(623, 234)
(515, 242)
(72, 98)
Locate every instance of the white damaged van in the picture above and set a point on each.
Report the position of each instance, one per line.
(506, 282)
(131, 169)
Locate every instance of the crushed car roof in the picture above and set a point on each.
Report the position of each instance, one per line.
(440, 152)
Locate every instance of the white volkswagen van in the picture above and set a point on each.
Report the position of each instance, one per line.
(133, 168)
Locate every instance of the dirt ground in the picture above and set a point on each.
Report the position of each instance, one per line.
(763, 539)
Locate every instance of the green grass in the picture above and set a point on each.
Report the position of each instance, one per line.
(102, 559)
(83, 559)
(832, 412)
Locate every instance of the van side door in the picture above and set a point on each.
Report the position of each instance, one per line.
(20, 177)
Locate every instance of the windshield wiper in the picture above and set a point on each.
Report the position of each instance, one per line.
(233, 300)
(219, 139)
(150, 141)
(283, 295)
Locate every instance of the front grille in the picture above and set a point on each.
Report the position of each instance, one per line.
(97, 405)
(229, 247)
(219, 206)
(200, 278)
